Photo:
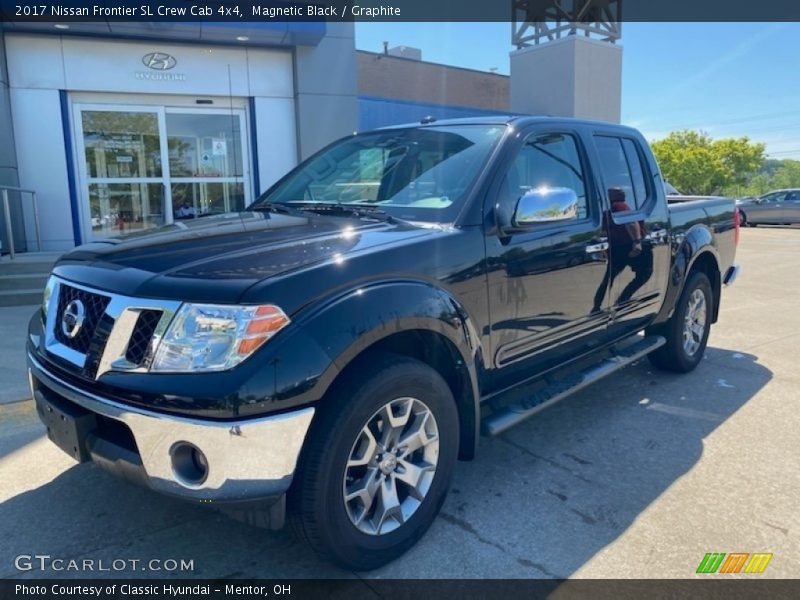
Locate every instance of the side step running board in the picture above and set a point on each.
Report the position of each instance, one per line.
(622, 356)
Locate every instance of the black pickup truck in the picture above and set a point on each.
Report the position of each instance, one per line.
(329, 353)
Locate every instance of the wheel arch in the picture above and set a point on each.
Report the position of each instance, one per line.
(695, 250)
(413, 319)
(707, 262)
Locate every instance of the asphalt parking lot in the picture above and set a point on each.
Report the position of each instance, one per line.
(638, 476)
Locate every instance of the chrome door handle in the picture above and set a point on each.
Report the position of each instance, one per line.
(599, 247)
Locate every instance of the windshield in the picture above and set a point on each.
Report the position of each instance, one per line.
(415, 174)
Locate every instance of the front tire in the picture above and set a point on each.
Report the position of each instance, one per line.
(687, 331)
(377, 464)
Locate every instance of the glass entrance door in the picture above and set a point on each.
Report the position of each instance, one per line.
(141, 167)
(205, 162)
(122, 168)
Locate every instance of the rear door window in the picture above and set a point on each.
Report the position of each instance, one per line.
(623, 173)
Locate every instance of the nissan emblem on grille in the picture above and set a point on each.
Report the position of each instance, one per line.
(72, 319)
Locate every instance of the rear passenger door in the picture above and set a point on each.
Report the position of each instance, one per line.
(637, 222)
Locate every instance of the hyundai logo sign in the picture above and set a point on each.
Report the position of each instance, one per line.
(159, 61)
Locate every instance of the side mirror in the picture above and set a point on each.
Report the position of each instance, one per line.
(546, 205)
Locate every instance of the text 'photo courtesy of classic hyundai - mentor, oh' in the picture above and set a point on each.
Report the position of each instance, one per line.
(327, 355)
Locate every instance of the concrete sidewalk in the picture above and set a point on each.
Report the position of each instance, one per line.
(13, 374)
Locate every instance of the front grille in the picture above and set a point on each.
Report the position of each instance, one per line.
(142, 334)
(117, 332)
(94, 307)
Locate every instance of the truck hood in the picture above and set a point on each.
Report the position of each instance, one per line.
(217, 258)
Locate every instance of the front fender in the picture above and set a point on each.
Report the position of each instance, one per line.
(348, 325)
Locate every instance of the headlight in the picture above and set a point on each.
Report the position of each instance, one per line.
(46, 297)
(210, 337)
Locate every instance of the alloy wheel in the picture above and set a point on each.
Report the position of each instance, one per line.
(391, 466)
(694, 325)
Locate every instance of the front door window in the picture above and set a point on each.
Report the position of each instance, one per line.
(144, 167)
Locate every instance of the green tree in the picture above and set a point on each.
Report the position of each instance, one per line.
(787, 175)
(770, 166)
(758, 184)
(774, 174)
(696, 164)
(740, 158)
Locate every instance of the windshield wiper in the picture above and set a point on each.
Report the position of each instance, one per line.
(374, 212)
(276, 207)
(358, 211)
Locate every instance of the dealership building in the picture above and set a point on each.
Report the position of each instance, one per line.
(119, 127)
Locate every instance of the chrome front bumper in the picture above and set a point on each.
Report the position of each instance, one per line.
(247, 460)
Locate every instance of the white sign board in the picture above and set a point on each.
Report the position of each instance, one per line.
(219, 147)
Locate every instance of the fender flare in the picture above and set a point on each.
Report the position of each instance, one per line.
(697, 242)
(387, 308)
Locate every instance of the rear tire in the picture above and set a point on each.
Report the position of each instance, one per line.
(743, 220)
(687, 331)
(363, 495)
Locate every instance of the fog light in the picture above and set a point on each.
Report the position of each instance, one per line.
(189, 464)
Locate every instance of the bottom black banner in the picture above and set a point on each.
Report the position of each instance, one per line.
(508, 589)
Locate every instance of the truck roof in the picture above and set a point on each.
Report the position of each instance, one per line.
(519, 120)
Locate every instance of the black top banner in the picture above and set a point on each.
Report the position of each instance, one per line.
(260, 11)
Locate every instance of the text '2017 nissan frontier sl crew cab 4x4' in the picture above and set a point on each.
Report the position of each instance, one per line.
(332, 351)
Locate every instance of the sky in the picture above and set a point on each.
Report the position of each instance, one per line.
(727, 79)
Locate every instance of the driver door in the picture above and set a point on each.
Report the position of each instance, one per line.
(543, 278)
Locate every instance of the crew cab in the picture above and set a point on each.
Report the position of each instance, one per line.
(332, 351)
